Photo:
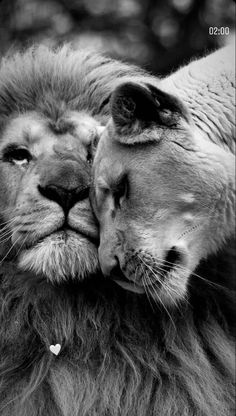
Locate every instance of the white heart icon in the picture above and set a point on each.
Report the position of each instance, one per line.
(55, 349)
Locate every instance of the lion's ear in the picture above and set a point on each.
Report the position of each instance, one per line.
(136, 107)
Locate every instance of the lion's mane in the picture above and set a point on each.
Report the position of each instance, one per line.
(120, 356)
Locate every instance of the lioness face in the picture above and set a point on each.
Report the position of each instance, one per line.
(46, 222)
(159, 204)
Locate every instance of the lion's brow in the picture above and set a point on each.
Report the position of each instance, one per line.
(32, 135)
(62, 126)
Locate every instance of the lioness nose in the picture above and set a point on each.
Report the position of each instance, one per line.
(66, 198)
(109, 264)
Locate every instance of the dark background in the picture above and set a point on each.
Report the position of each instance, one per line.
(157, 34)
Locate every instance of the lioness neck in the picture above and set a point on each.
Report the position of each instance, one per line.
(207, 86)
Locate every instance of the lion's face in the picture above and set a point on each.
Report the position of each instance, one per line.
(46, 221)
(159, 195)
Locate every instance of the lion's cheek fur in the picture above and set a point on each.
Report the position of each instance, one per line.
(59, 259)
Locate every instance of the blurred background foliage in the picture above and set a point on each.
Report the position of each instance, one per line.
(156, 34)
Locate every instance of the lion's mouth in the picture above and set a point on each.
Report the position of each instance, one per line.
(61, 255)
(65, 231)
(63, 234)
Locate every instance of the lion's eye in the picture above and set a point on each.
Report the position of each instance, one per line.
(91, 149)
(17, 155)
(95, 141)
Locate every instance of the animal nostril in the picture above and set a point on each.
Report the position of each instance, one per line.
(53, 192)
(109, 265)
(64, 197)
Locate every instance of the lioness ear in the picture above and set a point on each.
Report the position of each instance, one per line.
(136, 107)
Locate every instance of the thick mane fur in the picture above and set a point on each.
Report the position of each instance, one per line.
(42, 79)
(121, 356)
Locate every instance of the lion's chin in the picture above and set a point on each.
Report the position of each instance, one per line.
(60, 259)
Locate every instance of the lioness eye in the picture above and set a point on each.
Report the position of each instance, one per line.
(17, 156)
(89, 154)
(120, 191)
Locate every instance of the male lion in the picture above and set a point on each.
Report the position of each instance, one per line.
(164, 195)
(51, 107)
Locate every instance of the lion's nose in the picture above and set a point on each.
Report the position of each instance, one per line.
(66, 198)
(65, 182)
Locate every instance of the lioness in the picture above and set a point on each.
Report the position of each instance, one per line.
(165, 177)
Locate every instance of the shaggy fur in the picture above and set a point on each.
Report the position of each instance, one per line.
(120, 356)
(51, 81)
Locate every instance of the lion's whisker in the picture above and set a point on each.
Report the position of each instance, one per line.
(4, 240)
(6, 236)
(11, 248)
(7, 222)
(10, 231)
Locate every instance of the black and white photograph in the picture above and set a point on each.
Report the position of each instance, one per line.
(117, 208)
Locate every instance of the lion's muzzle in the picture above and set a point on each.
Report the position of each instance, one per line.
(67, 185)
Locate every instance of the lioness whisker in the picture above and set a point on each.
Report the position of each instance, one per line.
(135, 275)
(192, 273)
(155, 291)
(163, 283)
(162, 273)
(184, 268)
(162, 303)
(149, 297)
